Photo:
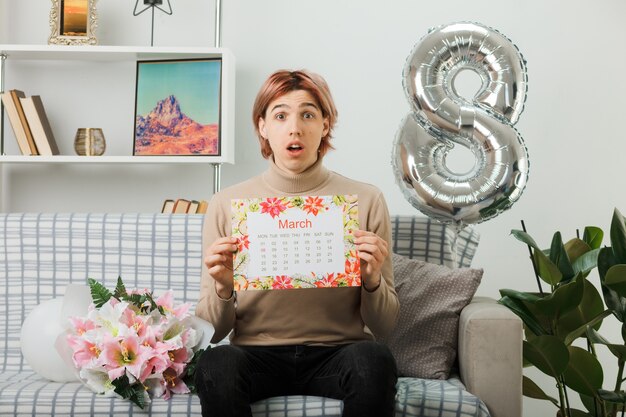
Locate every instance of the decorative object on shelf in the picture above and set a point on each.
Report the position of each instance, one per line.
(89, 141)
(39, 125)
(19, 123)
(152, 4)
(177, 107)
(73, 22)
(442, 119)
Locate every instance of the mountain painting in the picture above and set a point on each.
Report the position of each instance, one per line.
(177, 110)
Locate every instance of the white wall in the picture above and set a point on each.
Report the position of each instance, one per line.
(572, 123)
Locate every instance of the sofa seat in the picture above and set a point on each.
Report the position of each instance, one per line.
(27, 394)
(41, 253)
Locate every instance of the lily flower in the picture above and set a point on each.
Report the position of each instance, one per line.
(97, 380)
(108, 316)
(178, 360)
(166, 301)
(85, 351)
(138, 324)
(125, 354)
(168, 384)
(81, 325)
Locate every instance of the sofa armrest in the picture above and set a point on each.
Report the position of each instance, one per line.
(490, 356)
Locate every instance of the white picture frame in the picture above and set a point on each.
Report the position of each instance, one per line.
(73, 22)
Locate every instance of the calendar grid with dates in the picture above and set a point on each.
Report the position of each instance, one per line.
(295, 242)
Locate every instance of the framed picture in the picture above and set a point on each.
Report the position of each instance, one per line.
(73, 22)
(178, 107)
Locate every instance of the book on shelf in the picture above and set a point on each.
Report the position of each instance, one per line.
(16, 95)
(39, 125)
(202, 206)
(16, 123)
(184, 206)
(193, 207)
(168, 206)
(181, 206)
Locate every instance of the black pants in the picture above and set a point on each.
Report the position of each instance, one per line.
(363, 375)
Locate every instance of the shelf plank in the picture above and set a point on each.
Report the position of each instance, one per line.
(74, 159)
(105, 53)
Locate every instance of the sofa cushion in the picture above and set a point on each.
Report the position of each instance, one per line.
(431, 297)
(419, 237)
(26, 393)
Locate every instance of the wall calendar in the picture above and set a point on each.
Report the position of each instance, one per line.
(295, 242)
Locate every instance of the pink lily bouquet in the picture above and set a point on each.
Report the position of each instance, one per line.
(134, 345)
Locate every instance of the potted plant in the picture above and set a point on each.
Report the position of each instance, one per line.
(568, 308)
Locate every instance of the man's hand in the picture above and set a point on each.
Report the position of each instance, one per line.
(373, 252)
(219, 260)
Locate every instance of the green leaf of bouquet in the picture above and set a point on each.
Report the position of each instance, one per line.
(136, 300)
(618, 237)
(546, 269)
(532, 390)
(612, 396)
(190, 370)
(615, 279)
(565, 298)
(559, 257)
(99, 293)
(191, 366)
(593, 237)
(548, 353)
(589, 308)
(134, 392)
(519, 309)
(120, 289)
(152, 305)
(584, 373)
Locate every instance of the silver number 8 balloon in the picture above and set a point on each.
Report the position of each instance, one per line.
(441, 119)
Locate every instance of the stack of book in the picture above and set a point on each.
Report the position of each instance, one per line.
(30, 123)
(184, 206)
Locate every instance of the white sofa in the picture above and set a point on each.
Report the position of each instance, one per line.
(41, 253)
